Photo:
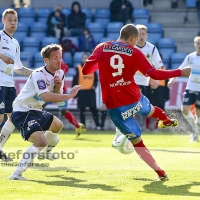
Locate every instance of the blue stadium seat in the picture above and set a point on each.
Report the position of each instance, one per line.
(166, 43)
(78, 58)
(96, 30)
(66, 11)
(152, 40)
(43, 14)
(105, 39)
(38, 57)
(141, 16)
(26, 59)
(2, 10)
(22, 32)
(67, 57)
(38, 30)
(190, 4)
(49, 40)
(113, 29)
(155, 30)
(27, 15)
(88, 12)
(102, 16)
(31, 45)
(176, 59)
(38, 64)
(71, 72)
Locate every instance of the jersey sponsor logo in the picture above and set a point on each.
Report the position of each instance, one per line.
(120, 83)
(2, 105)
(118, 49)
(41, 84)
(132, 111)
(31, 123)
(5, 48)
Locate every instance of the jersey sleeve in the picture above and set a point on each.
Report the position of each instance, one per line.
(185, 63)
(39, 82)
(143, 64)
(18, 64)
(156, 59)
(91, 64)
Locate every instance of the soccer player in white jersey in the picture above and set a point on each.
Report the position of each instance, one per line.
(9, 63)
(44, 85)
(192, 91)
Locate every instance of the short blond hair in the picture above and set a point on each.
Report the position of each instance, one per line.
(46, 51)
(128, 31)
(196, 38)
(8, 11)
(140, 26)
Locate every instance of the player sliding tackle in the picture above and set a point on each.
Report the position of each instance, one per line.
(117, 62)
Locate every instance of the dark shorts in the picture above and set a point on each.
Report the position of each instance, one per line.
(31, 121)
(7, 96)
(191, 97)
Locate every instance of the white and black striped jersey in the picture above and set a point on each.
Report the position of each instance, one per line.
(40, 81)
(9, 46)
(153, 56)
(192, 60)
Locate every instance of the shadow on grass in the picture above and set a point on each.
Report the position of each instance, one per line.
(176, 151)
(158, 187)
(76, 183)
(88, 140)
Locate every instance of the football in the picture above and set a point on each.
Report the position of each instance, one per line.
(124, 145)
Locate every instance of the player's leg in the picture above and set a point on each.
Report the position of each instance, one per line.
(31, 130)
(188, 100)
(103, 111)
(129, 127)
(51, 134)
(7, 95)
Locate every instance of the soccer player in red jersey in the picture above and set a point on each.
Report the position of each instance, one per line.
(117, 62)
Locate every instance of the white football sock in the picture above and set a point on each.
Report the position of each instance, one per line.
(197, 128)
(52, 141)
(6, 130)
(190, 119)
(27, 158)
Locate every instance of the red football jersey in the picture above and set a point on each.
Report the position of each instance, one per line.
(65, 68)
(117, 63)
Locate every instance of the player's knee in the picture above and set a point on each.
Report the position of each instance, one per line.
(56, 125)
(40, 143)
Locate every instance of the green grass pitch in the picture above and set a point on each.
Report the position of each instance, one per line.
(91, 169)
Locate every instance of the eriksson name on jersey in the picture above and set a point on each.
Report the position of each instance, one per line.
(118, 49)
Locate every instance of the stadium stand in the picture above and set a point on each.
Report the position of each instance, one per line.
(176, 60)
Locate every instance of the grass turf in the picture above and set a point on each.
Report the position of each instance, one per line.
(91, 169)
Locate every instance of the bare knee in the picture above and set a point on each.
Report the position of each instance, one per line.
(1, 118)
(185, 110)
(56, 125)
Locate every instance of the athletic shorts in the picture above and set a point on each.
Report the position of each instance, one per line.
(7, 96)
(31, 121)
(123, 118)
(191, 97)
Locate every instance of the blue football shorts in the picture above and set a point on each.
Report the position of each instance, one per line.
(7, 96)
(123, 118)
(191, 97)
(31, 121)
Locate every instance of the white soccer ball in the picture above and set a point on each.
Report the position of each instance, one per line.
(124, 145)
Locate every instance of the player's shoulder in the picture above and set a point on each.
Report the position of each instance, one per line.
(193, 54)
(148, 44)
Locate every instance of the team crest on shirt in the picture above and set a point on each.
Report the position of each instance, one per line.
(41, 84)
(8, 71)
(148, 56)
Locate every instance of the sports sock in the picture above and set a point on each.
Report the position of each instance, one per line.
(71, 118)
(6, 130)
(190, 119)
(27, 158)
(52, 141)
(145, 155)
(147, 122)
(160, 114)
